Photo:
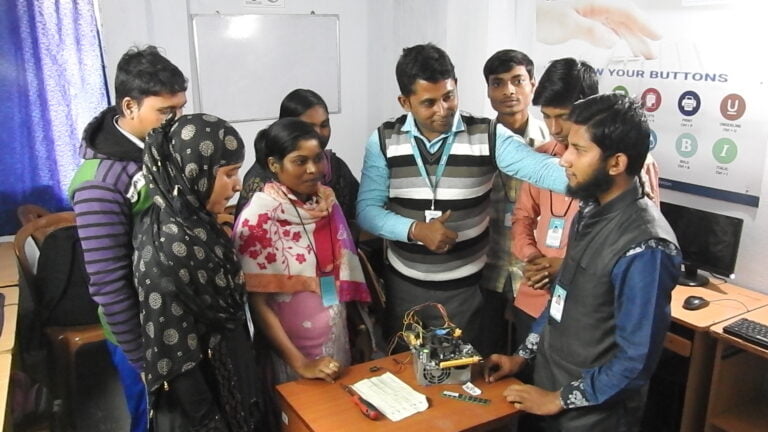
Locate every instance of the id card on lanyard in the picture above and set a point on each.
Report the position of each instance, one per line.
(432, 213)
(555, 232)
(556, 227)
(509, 209)
(557, 303)
(328, 290)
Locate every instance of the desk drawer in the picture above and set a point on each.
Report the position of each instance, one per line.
(677, 344)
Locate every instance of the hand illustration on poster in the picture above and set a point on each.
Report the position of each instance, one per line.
(602, 23)
(702, 93)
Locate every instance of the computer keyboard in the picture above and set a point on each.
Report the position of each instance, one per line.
(748, 330)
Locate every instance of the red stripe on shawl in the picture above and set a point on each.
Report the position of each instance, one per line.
(274, 283)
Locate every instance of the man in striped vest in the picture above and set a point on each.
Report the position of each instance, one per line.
(425, 188)
(108, 191)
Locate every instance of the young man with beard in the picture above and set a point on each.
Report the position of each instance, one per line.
(595, 350)
(542, 218)
(108, 191)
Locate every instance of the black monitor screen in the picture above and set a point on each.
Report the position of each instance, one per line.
(709, 241)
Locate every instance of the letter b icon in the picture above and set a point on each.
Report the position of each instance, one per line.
(686, 145)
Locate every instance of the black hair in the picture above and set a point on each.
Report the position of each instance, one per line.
(505, 60)
(299, 101)
(424, 62)
(616, 124)
(565, 81)
(281, 138)
(145, 72)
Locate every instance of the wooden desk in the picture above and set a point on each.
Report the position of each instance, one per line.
(738, 399)
(701, 347)
(7, 341)
(8, 336)
(11, 294)
(5, 378)
(9, 270)
(10, 315)
(315, 405)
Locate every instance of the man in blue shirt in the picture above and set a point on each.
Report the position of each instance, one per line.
(596, 348)
(425, 188)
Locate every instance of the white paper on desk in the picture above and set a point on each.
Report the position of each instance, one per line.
(394, 398)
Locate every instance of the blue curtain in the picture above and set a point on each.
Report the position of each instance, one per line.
(52, 82)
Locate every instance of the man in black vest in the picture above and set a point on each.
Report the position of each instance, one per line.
(597, 345)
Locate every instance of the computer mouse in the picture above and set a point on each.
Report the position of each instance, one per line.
(695, 303)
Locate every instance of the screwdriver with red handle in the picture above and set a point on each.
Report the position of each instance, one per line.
(366, 407)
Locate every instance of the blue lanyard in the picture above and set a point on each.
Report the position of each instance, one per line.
(440, 165)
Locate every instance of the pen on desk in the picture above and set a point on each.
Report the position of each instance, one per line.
(366, 407)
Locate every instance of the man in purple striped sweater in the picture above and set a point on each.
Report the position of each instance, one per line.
(108, 192)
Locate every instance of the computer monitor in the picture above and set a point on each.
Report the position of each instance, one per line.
(709, 241)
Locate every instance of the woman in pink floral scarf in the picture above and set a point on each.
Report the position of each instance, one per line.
(299, 257)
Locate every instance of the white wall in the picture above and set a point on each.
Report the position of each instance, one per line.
(373, 34)
(166, 24)
(469, 31)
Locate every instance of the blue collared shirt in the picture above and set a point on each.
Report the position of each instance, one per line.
(513, 157)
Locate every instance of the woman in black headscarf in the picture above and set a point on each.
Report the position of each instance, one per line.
(200, 367)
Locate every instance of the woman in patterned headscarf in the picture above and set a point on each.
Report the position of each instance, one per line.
(200, 367)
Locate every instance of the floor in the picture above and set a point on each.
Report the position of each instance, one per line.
(98, 406)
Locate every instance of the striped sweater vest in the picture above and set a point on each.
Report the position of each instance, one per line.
(464, 188)
(107, 196)
(125, 176)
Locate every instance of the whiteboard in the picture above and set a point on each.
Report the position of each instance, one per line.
(244, 65)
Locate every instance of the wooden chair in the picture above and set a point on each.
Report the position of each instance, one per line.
(29, 212)
(65, 341)
(374, 282)
(373, 314)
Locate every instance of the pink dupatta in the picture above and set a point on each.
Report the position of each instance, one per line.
(271, 240)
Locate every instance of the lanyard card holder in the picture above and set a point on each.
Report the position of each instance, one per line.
(328, 290)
